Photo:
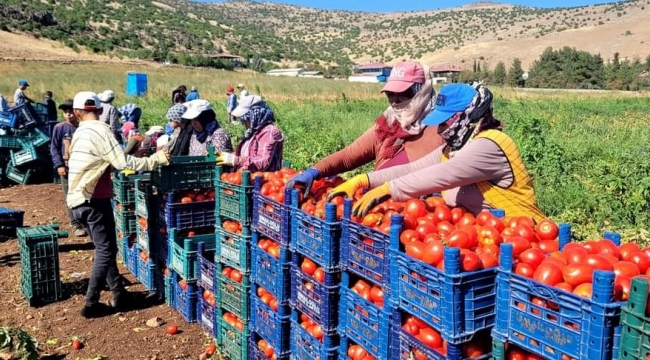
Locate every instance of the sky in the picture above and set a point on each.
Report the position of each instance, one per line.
(409, 5)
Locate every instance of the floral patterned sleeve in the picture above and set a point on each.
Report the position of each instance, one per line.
(221, 140)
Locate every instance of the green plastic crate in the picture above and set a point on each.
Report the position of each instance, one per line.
(234, 201)
(232, 343)
(35, 138)
(10, 142)
(39, 259)
(17, 176)
(635, 336)
(183, 252)
(124, 187)
(24, 156)
(233, 296)
(125, 221)
(186, 173)
(146, 199)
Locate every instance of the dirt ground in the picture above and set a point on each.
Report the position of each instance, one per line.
(119, 336)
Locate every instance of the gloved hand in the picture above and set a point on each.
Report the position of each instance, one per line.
(128, 172)
(305, 178)
(350, 187)
(371, 199)
(228, 159)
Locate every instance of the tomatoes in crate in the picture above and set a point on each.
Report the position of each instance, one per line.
(269, 246)
(267, 298)
(232, 274)
(233, 321)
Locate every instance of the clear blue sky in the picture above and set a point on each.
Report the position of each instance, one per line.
(401, 5)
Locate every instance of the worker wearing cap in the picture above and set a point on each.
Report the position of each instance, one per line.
(243, 90)
(19, 96)
(60, 152)
(231, 104)
(110, 115)
(479, 167)
(94, 150)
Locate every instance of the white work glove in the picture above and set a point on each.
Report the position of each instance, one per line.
(228, 159)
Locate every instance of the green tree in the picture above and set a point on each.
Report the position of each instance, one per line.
(499, 76)
(515, 73)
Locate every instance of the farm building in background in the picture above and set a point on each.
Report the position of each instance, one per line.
(312, 74)
(444, 74)
(286, 72)
(371, 73)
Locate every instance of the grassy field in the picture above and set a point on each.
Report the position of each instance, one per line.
(588, 152)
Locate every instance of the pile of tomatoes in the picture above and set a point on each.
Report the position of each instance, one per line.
(369, 292)
(356, 352)
(232, 274)
(312, 269)
(233, 227)
(188, 196)
(232, 320)
(267, 349)
(267, 298)
(209, 297)
(431, 338)
(572, 269)
(312, 328)
(270, 247)
(430, 225)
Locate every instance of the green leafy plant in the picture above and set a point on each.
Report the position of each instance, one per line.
(18, 343)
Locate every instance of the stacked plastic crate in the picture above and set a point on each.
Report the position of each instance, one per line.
(24, 146)
(229, 316)
(40, 281)
(185, 206)
(365, 308)
(125, 219)
(315, 282)
(574, 327)
(271, 277)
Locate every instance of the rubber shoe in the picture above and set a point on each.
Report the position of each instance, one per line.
(91, 311)
(80, 232)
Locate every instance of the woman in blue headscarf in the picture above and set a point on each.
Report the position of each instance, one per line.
(262, 145)
(207, 131)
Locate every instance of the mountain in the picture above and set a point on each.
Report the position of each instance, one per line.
(286, 34)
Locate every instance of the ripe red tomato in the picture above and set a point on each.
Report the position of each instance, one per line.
(425, 229)
(433, 253)
(549, 246)
(524, 270)
(525, 232)
(516, 354)
(575, 253)
(483, 217)
(519, 245)
(525, 220)
(599, 262)
(415, 208)
(622, 286)
(496, 223)
(534, 257)
(546, 230)
(456, 215)
(608, 247)
(430, 337)
(467, 219)
(549, 274)
(584, 290)
(469, 260)
(459, 239)
(415, 250)
(442, 213)
(626, 268)
(641, 259)
(172, 329)
(488, 260)
(628, 249)
(489, 236)
(408, 236)
(411, 328)
(472, 350)
(576, 274)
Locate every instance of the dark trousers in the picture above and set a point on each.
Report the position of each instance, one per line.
(64, 182)
(134, 117)
(97, 217)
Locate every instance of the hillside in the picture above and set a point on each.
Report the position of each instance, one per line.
(290, 34)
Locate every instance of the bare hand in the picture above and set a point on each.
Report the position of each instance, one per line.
(167, 154)
(62, 171)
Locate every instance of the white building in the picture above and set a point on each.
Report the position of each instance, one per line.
(286, 72)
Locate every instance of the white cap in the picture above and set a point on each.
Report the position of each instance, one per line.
(240, 85)
(86, 100)
(162, 141)
(246, 103)
(195, 108)
(107, 96)
(155, 129)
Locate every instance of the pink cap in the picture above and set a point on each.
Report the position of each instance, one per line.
(404, 75)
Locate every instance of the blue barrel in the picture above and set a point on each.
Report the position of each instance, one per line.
(136, 84)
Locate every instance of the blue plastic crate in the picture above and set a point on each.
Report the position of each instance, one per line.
(131, 256)
(458, 304)
(404, 345)
(169, 289)
(315, 238)
(272, 274)
(207, 269)
(578, 327)
(207, 315)
(320, 302)
(147, 273)
(183, 252)
(11, 219)
(189, 215)
(8, 119)
(305, 346)
(161, 253)
(366, 251)
(365, 323)
(185, 300)
(254, 352)
(271, 218)
(234, 250)
(274, 327)
(234, 201)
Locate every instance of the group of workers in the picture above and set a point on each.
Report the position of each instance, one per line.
(423, 143)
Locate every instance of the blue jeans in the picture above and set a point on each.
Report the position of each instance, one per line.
(97, 217)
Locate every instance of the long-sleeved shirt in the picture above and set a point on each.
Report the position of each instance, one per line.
(366, 149)
(232, 103)
(50, 104)
(263, 151)
(61, 142)
(94, 149)
(480, 160)
(192, 95)
(220, 140)
(4, 105)
(110, 116)
(243, 93)
(20, 97)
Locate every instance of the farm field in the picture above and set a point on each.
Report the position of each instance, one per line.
(588, 154)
